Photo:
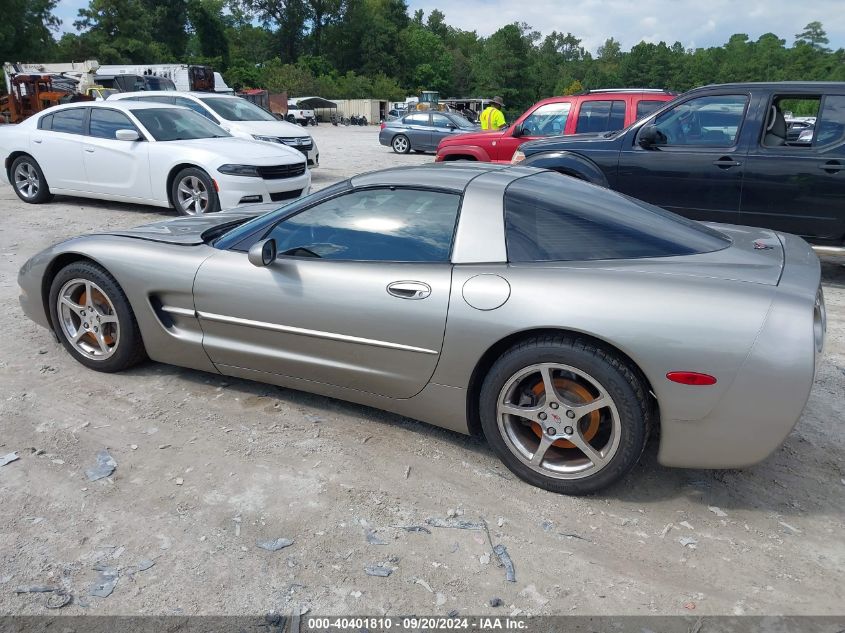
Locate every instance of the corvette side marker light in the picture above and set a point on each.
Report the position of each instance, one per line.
(691, 378)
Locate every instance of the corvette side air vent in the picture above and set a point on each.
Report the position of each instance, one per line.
(169, 315)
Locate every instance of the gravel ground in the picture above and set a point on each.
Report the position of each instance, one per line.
(207, 466)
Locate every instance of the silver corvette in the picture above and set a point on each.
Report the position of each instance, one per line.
(563, 321)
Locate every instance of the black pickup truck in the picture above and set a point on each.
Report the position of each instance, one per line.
(721, 153)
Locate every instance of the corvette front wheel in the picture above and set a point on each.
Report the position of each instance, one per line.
(93, 318)
(565, 414)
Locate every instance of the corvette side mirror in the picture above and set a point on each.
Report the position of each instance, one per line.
(262, 253)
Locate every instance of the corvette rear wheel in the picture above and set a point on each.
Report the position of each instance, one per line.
(565, 414)
(28, 181)
(93, 318)
(193, 193)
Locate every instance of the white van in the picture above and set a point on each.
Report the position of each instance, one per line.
(237, 116)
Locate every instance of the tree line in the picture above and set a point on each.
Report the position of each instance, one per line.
(376, 48)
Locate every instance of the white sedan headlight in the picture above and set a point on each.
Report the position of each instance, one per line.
(269, 139)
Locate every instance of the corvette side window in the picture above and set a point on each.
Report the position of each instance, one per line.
(404, 225)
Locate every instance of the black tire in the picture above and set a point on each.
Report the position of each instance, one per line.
(36, 180)
(129, 348)
(191, 176)
(622, 382)
(290, 118)
(401, 144)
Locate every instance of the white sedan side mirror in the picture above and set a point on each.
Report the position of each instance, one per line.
(126, 135)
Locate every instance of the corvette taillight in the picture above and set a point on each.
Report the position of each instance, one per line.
(692, 378)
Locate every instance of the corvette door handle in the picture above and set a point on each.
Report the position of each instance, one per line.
(36, 140)
(409, 289)
(832, 166)
(90, 150)
(726, 163)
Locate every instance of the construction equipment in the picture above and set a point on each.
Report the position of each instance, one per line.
(31, 94)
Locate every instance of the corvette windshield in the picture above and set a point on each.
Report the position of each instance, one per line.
(237, 109)
(177, 124)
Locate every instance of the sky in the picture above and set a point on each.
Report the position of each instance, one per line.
(694, 23)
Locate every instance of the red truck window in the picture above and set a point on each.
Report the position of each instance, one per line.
(547, 120)
(601, 116)
(646, 107)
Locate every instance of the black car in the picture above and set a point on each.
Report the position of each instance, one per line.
(723, 153)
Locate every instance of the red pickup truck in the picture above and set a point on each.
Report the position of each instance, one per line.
(591, 112)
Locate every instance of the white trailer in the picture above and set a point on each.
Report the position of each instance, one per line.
(186, 77)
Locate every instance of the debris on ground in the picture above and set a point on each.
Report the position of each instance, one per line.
(792, 529)
(689, 606)
(496, 602)
(502, 552)
(372, 537)
(8, 459)
(423, 583)
(105, 466)
(58, 600)
(275, 545)
(457, 524)
(454, 613)
(145, 564)
(416, 528)
(688, 541)
(379, 569)
(35, 589)
(666, 529)
(501, 521)
(573, 535)
(717, 511)
(179, 481)
(407, 471)
(105, 583)
(686, 524)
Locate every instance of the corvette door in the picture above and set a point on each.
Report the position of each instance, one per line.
(356, 298)
(115, 167)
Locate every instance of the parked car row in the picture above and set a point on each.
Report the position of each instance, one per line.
(146, 152)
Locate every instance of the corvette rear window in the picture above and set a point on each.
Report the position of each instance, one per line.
(550, 217)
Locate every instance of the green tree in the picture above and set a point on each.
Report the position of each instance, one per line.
(210, 31)
(119, 32)
(426, 64)
(814, 35)
(25, 30)
(168, 21)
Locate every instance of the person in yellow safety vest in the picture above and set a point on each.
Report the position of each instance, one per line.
(492, 117)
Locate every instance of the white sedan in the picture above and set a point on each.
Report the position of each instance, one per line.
(153, 154)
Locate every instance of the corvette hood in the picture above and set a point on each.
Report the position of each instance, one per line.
(189, 231)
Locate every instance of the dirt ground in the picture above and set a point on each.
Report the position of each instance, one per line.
(207, 466)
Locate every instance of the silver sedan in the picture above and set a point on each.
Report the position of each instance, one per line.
(562, 321)
(422, 131)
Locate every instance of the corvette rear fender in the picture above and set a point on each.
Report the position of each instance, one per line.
(669, 324)
(569, 164)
